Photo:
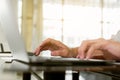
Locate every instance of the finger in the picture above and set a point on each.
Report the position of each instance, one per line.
(89, 46)
(92, 49)
(80, 54)
(40, 49)
(83, 48)
(90, 52)
(37, 51)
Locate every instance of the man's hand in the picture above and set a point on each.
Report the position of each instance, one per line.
(109, 48)
(57, 48)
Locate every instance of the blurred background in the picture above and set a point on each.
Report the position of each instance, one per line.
(70, 21)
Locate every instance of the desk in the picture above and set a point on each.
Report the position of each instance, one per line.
(28, 70)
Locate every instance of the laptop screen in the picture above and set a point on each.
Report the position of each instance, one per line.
(8, 23)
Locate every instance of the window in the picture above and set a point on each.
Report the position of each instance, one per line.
(72, 21)
(111, 17)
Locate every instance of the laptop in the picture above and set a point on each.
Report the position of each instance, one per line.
(8, 23)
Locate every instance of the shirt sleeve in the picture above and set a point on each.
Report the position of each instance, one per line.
(116, 37)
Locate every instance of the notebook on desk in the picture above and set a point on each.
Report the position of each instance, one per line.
(8, 23)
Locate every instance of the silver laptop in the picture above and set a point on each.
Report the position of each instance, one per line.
(8, 23)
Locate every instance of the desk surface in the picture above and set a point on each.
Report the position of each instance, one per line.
(20, 67)
(17, 66)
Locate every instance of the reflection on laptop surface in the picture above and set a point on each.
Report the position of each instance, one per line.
(9, 26)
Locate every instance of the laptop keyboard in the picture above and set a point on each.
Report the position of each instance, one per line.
(60, 61)
(54, 58)
(44, 58)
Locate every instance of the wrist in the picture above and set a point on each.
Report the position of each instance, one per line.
(73, 52)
